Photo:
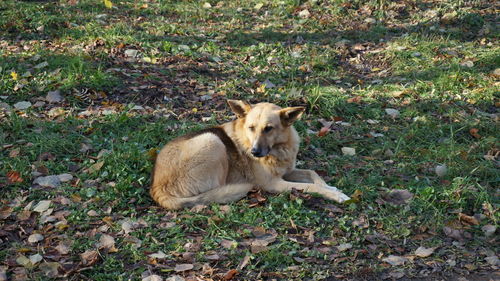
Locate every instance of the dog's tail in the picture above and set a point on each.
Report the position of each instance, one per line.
(223, 194)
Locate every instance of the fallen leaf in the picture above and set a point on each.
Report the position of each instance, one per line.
(3, 273)
(348, 151)
(5, 212)
(175, 278)
(14, 176)
(89, 257)
(323, 131)
(152, 277)
(395, 260)
(441, 170)
(65, 177)
(474, 133)
(63, 247)
(54, 96)
(397, 196)
(14, 152)
(96, 167)
(50, 269)
(356, 99)
(468, 219)
(107, 242)
(22, 105)
(424, 252)
(42, 206)
(489, 230)
(36, 258)
(183, 267)
(492, 260)
(304, 14)
(394, 113)
(48, 181)
(230, 274)
(24, 261)
(244, 262)
(41, 65)
(343, 247)
(453, 233)
(158, 255)
(258, 6)
(214, 257)
(228, 244)
(33, 238)
(398, 94)
(108, 4)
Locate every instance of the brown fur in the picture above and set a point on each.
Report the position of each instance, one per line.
(218, 164)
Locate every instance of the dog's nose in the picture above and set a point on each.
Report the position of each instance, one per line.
(256, 151)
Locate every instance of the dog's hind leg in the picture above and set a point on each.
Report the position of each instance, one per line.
(223, 194)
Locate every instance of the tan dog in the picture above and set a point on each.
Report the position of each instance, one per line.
(222, 164)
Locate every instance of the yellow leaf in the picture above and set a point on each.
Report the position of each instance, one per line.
(14, 75)
(108, 4)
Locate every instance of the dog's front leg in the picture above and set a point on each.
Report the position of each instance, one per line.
(280, 185)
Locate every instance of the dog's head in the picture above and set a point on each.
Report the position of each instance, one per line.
(265, 124)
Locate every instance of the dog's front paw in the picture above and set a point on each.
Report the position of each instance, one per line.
(336, 194)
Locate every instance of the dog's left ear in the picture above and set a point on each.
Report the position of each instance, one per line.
(291, 114)
(240, 108)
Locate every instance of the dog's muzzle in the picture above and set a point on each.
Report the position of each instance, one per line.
(259, 152)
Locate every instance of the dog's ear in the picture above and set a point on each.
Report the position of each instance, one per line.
(291, 114)
(240, 108)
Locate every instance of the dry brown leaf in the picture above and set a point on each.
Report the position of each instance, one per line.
(36, 237)
(96, 167)
(63, 247)
(89, 257)
(107, 242)
(228, 244)
(397, 196)
(50, 269)
(158, 255)
(183, 267)
(424, 252)
(14, 176)
(5, 212)
(453, 233)
(244, 262)
(356, 99)
(323, 131)
(474, 133)
(14, 152)
(395, 260)
(468, 219)
(42, 206)
(230, 274)
(489, 230)
(152, 277)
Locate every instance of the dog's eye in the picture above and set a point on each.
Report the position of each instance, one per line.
(267, 129)
(252, 128)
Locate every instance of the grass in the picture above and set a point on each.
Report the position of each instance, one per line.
(434, 61)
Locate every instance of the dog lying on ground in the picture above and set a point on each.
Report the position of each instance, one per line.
(222, 164)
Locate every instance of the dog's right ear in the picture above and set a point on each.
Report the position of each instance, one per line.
(240, 108)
